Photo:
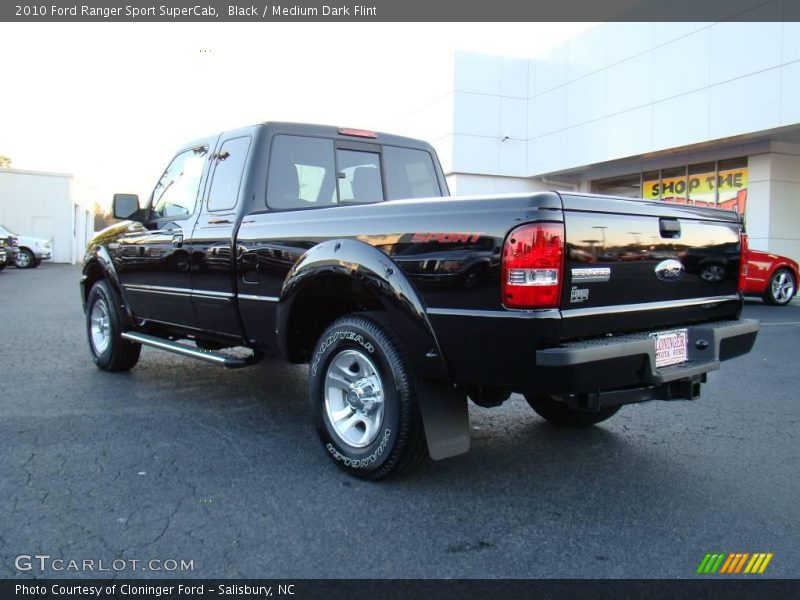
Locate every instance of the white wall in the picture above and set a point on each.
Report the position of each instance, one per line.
(773, 198)
(42, 205)
(617, 90)
(462, 184)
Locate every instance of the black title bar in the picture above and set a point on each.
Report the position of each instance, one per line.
(405, 589)
(399, 10)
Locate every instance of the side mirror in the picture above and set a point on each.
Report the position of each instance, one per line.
(125, 206)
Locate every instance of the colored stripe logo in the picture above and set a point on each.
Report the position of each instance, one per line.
(734, 562)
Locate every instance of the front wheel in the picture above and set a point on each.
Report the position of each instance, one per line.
(555, 411)
(363, 398)
(25, 259)
(781, 288)
(104, 327)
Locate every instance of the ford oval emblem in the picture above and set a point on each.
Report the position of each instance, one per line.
(669, 270)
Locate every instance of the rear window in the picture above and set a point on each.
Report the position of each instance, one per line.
(409, 174)
(359, 177)
(307, 172)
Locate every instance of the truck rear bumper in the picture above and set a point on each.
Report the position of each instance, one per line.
(708, 345)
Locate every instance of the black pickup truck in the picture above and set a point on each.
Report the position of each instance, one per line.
(341, 248)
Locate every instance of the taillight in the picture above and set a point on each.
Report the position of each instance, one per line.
(743, 262)
(533, 266)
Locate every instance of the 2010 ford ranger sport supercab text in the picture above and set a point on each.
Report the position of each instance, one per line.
(340, 248)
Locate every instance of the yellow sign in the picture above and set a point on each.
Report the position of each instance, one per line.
(702, 185)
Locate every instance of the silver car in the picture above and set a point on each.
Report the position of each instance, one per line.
(30, 251)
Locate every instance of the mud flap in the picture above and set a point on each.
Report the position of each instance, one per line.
(445, 417)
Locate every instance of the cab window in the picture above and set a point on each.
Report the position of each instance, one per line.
(228, 171)
(301, 173)
(176, 192)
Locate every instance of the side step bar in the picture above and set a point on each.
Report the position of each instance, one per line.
(229, 362)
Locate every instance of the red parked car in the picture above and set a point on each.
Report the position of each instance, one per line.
(772, 277)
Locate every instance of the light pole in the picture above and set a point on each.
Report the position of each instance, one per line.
(602, 229)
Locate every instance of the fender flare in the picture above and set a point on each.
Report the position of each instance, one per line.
(99, 255)
(383, 278)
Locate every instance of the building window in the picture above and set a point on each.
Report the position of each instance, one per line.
(702, 191)
(650, 185)
(673, 185)
(628, 186)
(721, 184)
(732, 186)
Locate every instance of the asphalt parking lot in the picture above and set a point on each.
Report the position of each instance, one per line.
(186, 461)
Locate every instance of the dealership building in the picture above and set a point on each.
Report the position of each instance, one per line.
(47, 206)
(693, 113)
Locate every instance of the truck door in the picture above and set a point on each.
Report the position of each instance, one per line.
(213, 243)
(153, 260)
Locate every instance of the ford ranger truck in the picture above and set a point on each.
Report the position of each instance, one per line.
(341, 248)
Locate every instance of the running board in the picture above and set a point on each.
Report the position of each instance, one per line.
(229, 362)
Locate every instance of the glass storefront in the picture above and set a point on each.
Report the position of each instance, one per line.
(722, 184)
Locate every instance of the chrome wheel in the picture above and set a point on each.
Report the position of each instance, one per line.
(782, 287)
(24, 259)
(100, 326)
(354, 398)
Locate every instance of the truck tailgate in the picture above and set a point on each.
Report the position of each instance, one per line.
(635, 265)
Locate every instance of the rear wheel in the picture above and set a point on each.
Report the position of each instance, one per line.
(363, 399)
(104, 326)
(553, 410)
(781, 288)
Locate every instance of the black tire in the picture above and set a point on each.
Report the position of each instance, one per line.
(25, 259)
(118, 354)
(399, 439)
(3, 265)
(558, 413)
(36, 263)
(782, 286)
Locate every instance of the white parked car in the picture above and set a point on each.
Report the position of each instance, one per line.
(32, 251)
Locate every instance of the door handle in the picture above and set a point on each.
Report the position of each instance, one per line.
(177, 240)
(219, 222)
